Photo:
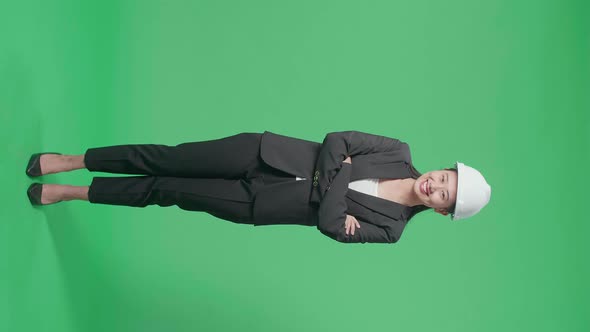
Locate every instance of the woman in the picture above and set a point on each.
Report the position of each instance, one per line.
(354, 187)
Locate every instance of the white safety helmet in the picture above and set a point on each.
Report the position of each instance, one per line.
(473, 192)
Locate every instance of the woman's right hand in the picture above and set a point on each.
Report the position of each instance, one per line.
(347, 160)
(350, 224)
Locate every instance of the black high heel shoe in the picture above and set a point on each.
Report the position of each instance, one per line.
(34, 165)
(34, 193)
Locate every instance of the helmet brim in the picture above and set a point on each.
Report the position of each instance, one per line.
(457, 214)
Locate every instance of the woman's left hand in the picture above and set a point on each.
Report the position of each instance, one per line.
(350, 224)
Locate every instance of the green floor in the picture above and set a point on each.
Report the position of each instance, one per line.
(500, 85)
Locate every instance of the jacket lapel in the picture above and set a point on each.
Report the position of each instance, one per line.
(395, 170)
(385, 207)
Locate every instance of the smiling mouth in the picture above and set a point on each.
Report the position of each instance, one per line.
(424, 188)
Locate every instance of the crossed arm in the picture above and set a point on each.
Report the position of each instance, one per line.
(333, 180)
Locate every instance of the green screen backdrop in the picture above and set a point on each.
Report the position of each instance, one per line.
(501, 85)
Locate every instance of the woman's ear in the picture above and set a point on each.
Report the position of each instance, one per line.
(444, 212)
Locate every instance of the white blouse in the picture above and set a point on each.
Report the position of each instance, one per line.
(368, 186)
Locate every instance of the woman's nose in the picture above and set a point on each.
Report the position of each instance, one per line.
(437, 186)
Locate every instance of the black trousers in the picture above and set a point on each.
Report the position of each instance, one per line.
(219, 176)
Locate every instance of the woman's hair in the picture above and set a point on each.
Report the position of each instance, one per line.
(420, 208)
(451, 209)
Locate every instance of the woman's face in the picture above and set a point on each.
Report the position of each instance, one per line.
(437, 189)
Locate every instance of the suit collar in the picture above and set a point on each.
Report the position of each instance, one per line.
(383, 206)
(395, 170)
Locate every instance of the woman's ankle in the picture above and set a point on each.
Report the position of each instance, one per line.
(76, 162)
(74, 192)
(53, 163)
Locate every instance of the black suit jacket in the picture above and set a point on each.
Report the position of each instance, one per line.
(325, 197)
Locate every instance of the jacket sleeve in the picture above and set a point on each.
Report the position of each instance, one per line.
(337, 146)
(332, 215)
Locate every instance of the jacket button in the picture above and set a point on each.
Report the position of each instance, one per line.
(315, 183)
(317, 172)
